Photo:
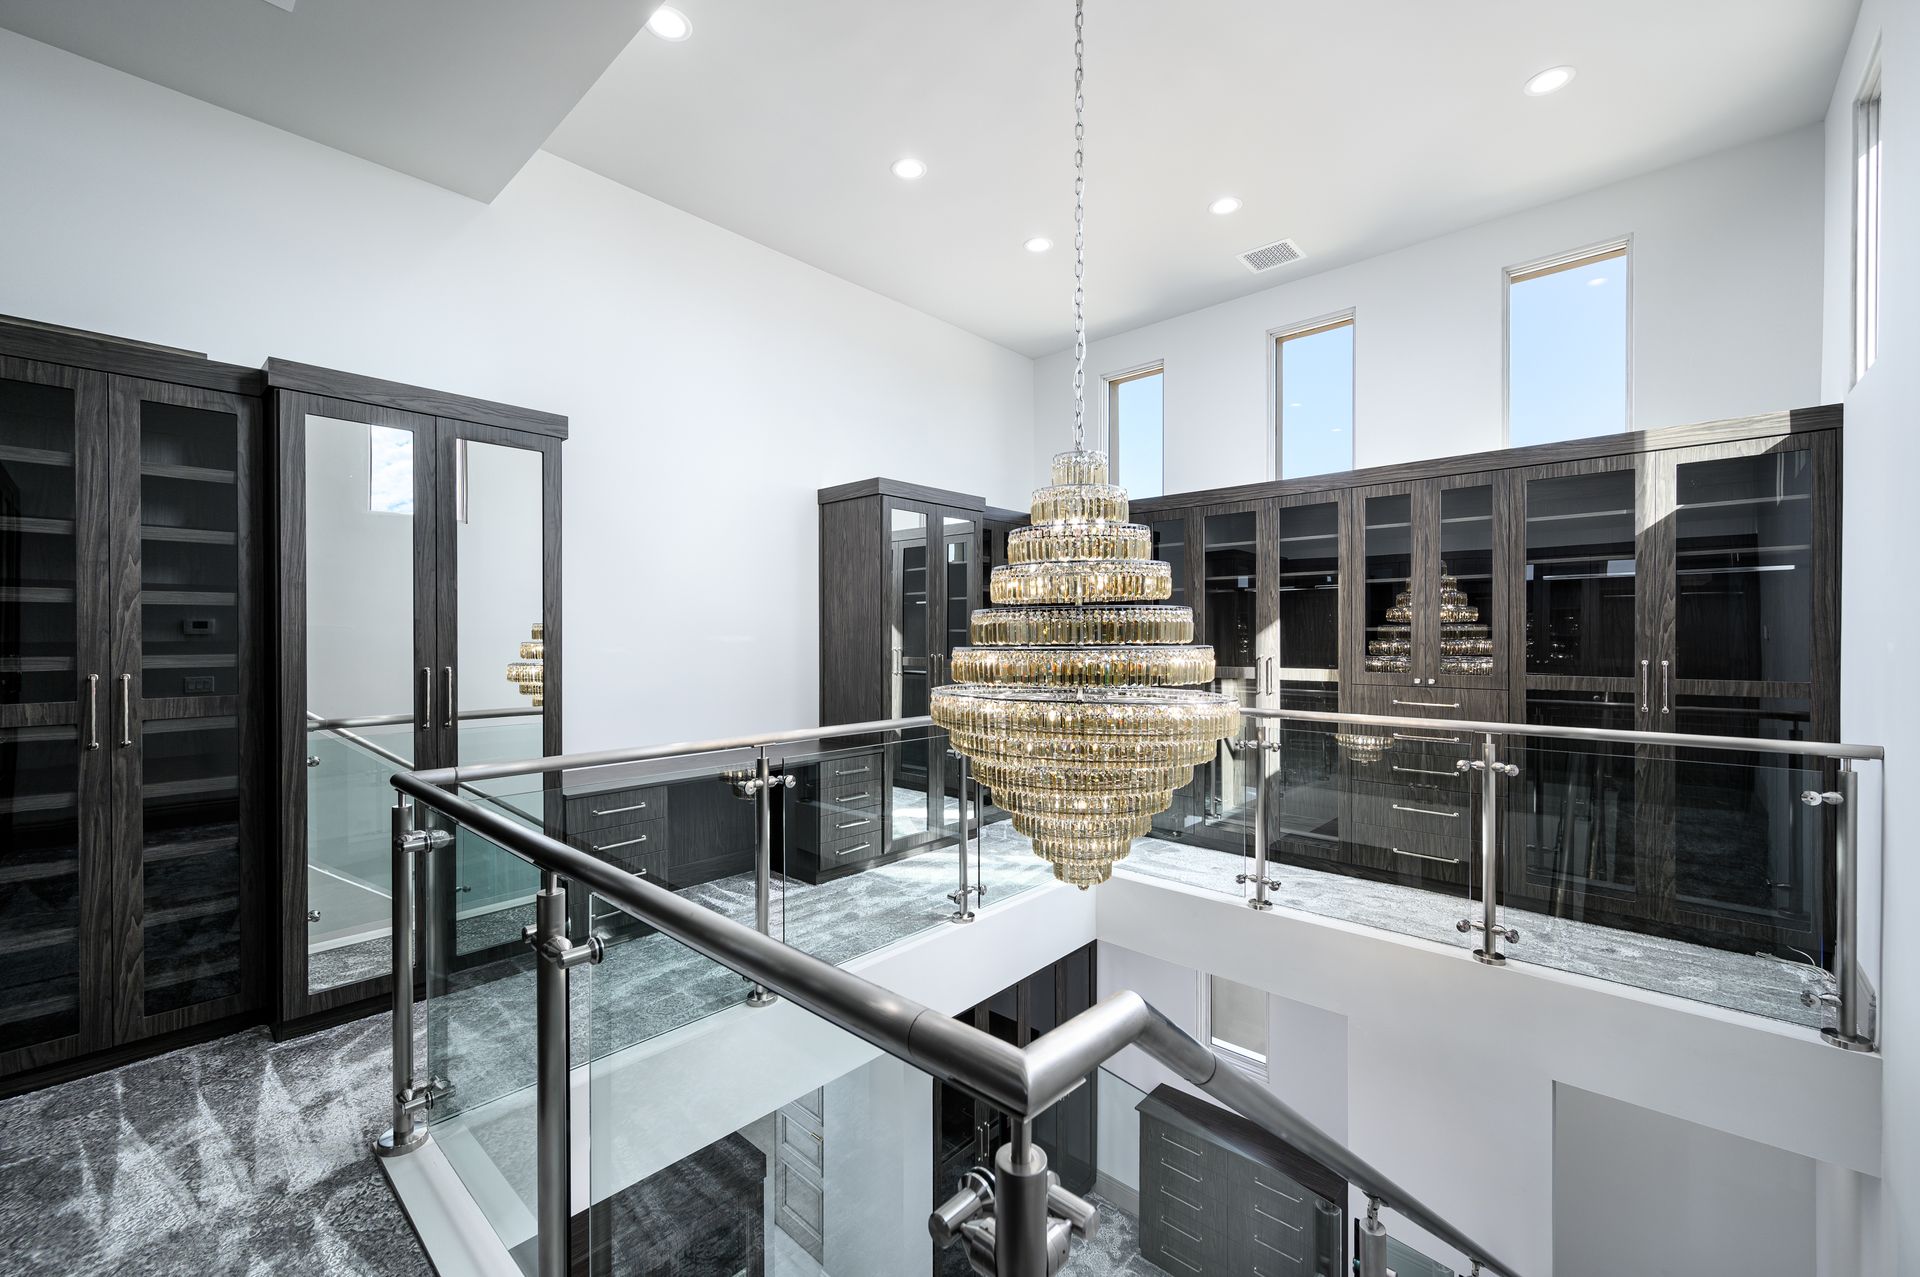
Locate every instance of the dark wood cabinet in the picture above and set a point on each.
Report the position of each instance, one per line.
(418, 625)
(131, 869)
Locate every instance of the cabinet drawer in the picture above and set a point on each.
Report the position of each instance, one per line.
(1415, 813)
(1473, 704)
(852, 769)
(1445, 859)
(623, 842)
(801, 1145)
(616, 807)
(852, 849)
(855, 791)
(1167, 1247)
(839, 824)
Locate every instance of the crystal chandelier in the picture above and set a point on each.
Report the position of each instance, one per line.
(1074, 701)
(529, 672)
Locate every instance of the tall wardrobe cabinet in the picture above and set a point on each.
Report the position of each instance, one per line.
(130, 856)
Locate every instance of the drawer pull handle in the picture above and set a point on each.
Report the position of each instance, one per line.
(1176, 1197)
(1426, 811)
(615, 846)
(852, 772)
(1280, 1191)
(855, 824)
(1176, 1259)
(1177, 1144)
(1424, 771)
(1438, 860)
(853, 798)
(1430, 740)
(1177, 1171)
(848, 851)
(1183, 1232)
(617, 811)
(1276, 1250)
(1429, 704)
(1276, 1219)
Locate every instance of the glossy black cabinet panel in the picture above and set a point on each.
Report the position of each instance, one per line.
(1572, 809)
(1580, 574)
(39, 506)
(190, 840)
(1308, 566)
(40, 901)
(1744, 545)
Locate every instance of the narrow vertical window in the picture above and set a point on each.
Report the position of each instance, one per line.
(1567, 347)
(1236, 1022)
(1135, 438)
(1866, 224)
(1314, 391)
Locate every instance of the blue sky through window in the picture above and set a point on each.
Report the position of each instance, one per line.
(1137, 429)
(1567, 353)
(1316, 402)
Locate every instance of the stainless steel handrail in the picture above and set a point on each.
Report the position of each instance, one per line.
(1025, 1083)
(315, 723)
(614, 757)
(1671, 740)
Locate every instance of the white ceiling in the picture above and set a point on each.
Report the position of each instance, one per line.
(1353, 126)
(459, 92)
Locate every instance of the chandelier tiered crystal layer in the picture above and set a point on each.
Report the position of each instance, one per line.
(1075, 700)
(529, 673)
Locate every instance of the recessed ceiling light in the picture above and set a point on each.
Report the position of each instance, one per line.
(1224, 205)
(1551, 80)
(909, 169)
(669, 23)
(1039, 244)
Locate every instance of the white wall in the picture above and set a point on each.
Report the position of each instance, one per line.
(1639, 1192)
(1725, 322)
(1878, 643)
(712, 384)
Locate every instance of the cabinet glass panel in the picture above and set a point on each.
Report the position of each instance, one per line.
(1466, 564)
(911, 640)
(1307, 777)
(1580, 575)
(360, 499)
(1743, 842)
(1230, 558)
(1309, 568)
(959, 537)
(190, 860)
(1744, 557)
(1170, 547)
(1387, 550)
(189, 552)
(39, 884)
(1572, 813)
(37, 567)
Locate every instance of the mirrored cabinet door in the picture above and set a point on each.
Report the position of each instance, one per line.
(1580, 573)
(55, 813)
(371, 685)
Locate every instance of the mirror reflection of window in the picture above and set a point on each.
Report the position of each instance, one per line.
(389, 470)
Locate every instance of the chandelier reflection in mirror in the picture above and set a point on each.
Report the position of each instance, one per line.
(529, 672)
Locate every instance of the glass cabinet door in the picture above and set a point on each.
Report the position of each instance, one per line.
(55, 816)
(1387, 589)
(1308, 567)
(1464, 646)
(371, 685)
(1170, 547)
(1230, 565)
(1743, 564)
(1580, 574)
(915, 639)
(177, 736)
(960, 569)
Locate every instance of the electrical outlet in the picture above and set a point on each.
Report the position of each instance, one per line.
(198, 685)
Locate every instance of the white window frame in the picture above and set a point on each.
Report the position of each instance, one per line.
(1276, 407)
(1868, 169)
(1110, 407)
(1252, 1065)
(1549, 265)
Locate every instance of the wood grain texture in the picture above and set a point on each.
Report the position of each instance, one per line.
(854, 661)
(903, 490)
(285, 374)
(98, 353)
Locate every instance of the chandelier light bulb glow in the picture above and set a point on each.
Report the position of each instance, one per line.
(529, 673)
(1077, 704)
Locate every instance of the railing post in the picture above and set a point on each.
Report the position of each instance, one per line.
(1021, 1227)
(1370, 1243)
(1259, 744)
(409, 1100)
(1853, 1031)
(1490, 855)
(762, 863)
(553, 1051)
(963, 897)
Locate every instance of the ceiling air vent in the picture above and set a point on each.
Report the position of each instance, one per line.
(1268, 256)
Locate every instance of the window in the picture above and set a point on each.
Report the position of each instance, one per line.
(1234, 1022)
(1134, 436)
(389, 470)
(1314, 391)
(1567, 346)
(1866, 224)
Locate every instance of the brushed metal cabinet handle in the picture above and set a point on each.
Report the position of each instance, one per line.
(1644, 706)
(1431, 740)
(426, 699)
(126, 710)
(615, 846)
(1438, 860)
(617, 811)
(1429, 704)
(1664, 698)
(845, 774)
(865, 846)
(1423, 771)
(1426, 811)
(449, 718)
(855, 824)
(93, 711)
(853, 798)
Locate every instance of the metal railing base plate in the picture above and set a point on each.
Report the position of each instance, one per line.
(1836, 1038)
(387, 1146)
(1491, 959)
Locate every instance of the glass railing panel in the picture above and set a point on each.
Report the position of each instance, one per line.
(350, 852)
(646, 986)
(478, 1052)
(1205, 837)
(753, 1139)
(1695, 872)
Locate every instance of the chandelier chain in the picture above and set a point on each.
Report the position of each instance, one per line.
(1079, 229)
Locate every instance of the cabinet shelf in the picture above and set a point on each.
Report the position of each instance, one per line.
(36, 594)
(211, 907)
(211, 661)
(35, 456)
(179, 597)
(50, 938)
(192, 474)
(167, 726)
(35, 664)
(190, 788)
(172, 975)
(1732, 503)
(40, 870)
(188, 536)
(42, 527)
(188, 850)
(38, 1007)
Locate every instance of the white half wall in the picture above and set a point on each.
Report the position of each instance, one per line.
(712, 384)
(1725, 322)
(1878, 645)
